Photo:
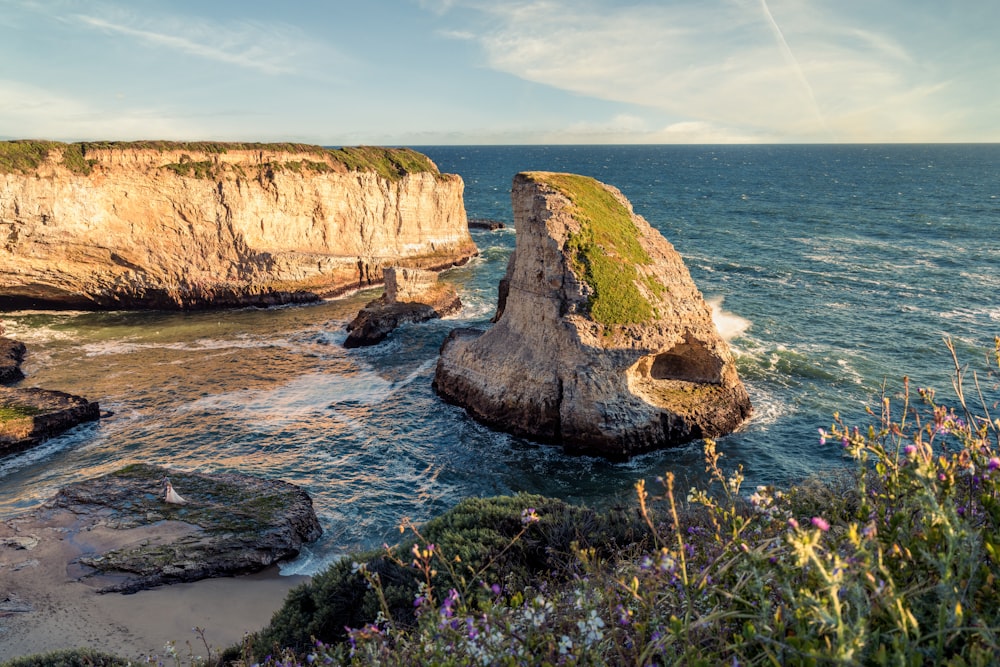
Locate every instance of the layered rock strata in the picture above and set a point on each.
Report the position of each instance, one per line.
(411, 296)
(173, 226)
(128, 538)
(602, 341)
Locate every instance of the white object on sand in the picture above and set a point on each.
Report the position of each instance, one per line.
(172, 496)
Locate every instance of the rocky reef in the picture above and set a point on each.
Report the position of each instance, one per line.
(128, 538)
(602, 343)
(176, 226)
(411, 295)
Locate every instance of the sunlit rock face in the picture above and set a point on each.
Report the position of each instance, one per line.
(411, 296)
(164, 225)
(602, 343)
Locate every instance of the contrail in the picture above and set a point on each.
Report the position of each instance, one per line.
(790, 58)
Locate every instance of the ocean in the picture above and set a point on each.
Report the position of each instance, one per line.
(834, 272)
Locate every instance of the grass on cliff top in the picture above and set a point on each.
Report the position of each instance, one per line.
(25, 156)
(606, 250)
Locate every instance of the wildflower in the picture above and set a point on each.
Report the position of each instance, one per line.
(565, 645)
(591, 628)
(822, 437)
(792, 523)
(449, 602)
(994, 463)
(910, 450)
(529, 516)
(821, 523)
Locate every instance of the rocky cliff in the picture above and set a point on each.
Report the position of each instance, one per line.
(167, 225)
(602, 341)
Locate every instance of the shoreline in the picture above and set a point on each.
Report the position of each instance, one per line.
(45, 607)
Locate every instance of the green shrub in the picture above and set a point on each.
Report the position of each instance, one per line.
(80, 657)
(472, 547)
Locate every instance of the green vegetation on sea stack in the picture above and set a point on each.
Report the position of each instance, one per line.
(25, 156)
(606, 251)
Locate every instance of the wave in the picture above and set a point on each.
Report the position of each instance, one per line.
(728, 324)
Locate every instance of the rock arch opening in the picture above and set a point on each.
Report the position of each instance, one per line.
(689, 361)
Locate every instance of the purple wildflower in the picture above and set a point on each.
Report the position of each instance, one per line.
(821, 523)
(994, 463)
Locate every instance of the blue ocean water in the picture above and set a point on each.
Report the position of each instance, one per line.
(834, 270)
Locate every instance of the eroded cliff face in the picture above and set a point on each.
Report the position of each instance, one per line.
(208, 225)
(602, 341)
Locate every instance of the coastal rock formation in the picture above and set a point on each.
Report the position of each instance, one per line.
(486, 223)
(129, 539)
(411, 295)
(602, 341)
(30, 415)
(174, 226)
(11, 356)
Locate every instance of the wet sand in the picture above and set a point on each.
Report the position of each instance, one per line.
(44, 606)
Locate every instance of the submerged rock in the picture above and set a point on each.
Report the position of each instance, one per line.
(411, 295)
(230, 524)
(602, 343)
(30, 415)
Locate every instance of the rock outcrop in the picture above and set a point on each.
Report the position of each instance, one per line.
(174, 226)
(11, 355)
(130, 539)
(602, 343)
(28, 416)
(411, 295)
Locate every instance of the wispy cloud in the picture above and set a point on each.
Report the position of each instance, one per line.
(270, 49)
(784, 70)
(248, 46)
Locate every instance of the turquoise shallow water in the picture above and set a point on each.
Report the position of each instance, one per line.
(835, 269)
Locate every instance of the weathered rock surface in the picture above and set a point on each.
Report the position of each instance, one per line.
(133, 540)
(411, 295)
(30, 415)
(11, 355)
(602, 342)
(172, 226)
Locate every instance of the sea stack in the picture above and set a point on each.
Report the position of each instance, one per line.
(167, 225)
(411, 295)
(602, 342)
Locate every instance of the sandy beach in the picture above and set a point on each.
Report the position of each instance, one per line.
(45, 606)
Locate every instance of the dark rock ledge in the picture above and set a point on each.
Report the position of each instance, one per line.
(232, 524)
(30, 415)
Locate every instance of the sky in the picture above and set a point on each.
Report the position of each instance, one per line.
(432, 72)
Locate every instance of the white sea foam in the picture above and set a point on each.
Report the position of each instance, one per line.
(729, 325)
